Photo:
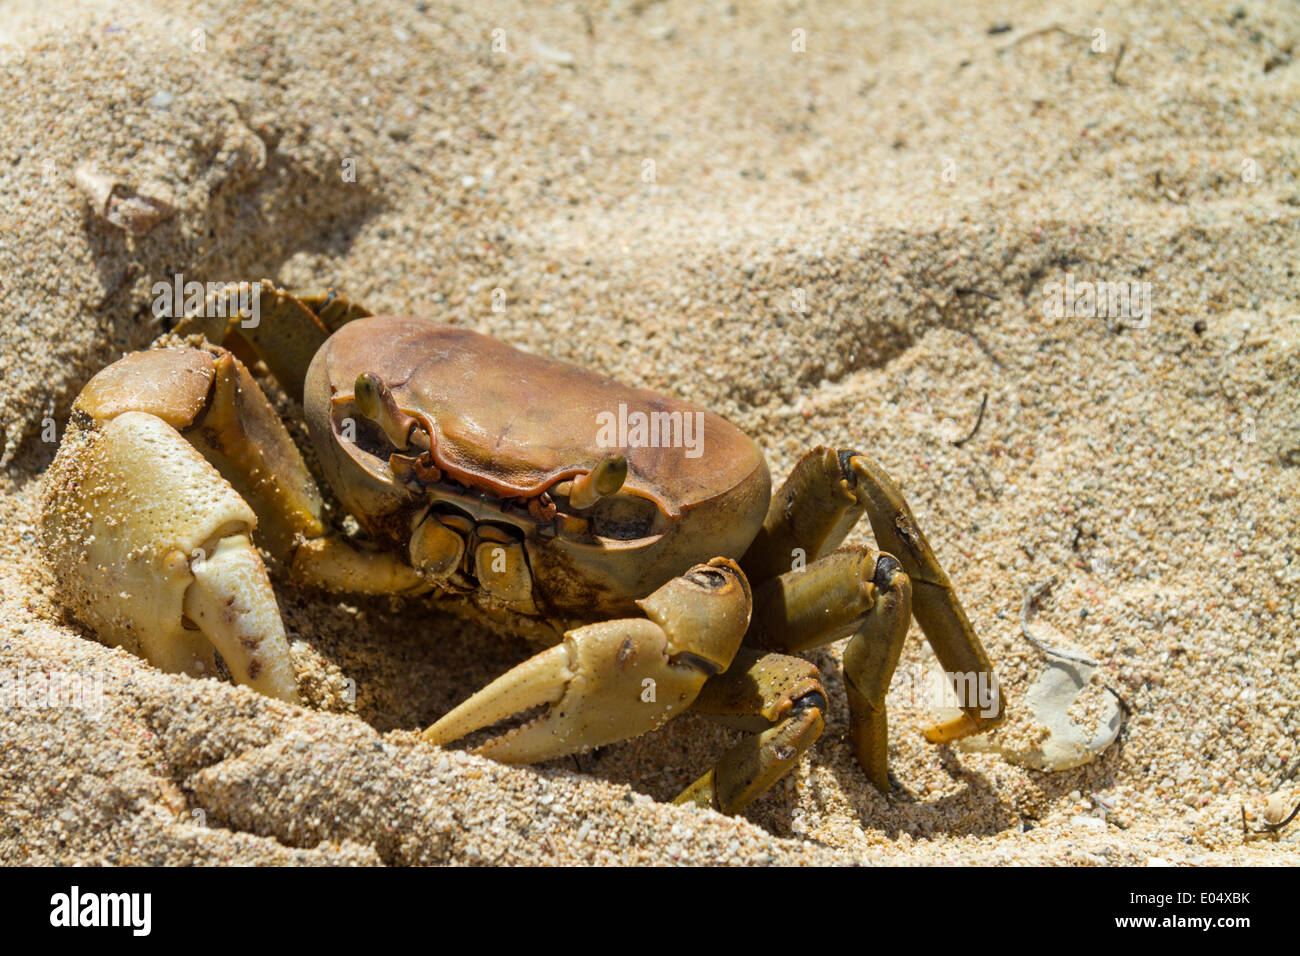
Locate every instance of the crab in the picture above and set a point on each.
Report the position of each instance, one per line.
(632, 536)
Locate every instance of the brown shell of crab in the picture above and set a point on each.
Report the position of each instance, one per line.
(507, 426)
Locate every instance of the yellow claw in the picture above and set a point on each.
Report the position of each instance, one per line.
(616, 679)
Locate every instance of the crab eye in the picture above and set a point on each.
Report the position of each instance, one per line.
(367, 395)
(623, 517)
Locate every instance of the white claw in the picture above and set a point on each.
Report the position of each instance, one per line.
(232, 603)
(131, 509)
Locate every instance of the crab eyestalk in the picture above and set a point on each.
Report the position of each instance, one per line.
(605, 479)
(374, 400)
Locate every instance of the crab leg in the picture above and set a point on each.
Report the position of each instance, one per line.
(934, 603)
(616, 679)
(241, 435)
(810, 514)
(826, 492)
(333, 309)
(782, 700)
(854, 591)
(870, 660)
(255, 319)
(239, 432)
(819, 605)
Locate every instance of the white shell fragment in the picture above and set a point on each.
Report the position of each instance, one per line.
(1278, 808)
(1062, 744)
(550, 54)
(120, 205)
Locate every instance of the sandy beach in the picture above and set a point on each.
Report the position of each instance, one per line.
(860, 225)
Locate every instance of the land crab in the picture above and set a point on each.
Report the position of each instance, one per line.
(477, 472)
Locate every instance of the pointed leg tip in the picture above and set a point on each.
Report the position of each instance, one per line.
(431, 736)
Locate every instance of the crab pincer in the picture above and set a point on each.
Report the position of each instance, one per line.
(614, 679)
